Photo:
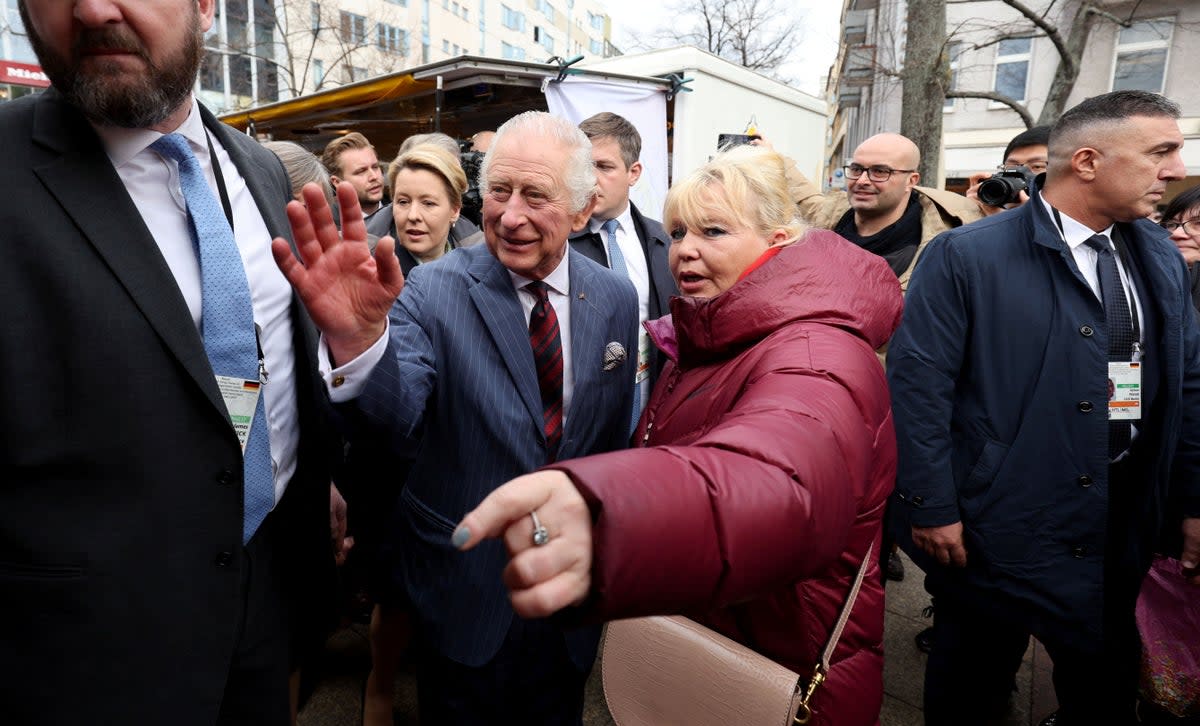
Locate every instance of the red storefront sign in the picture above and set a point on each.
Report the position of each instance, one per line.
(23, 74)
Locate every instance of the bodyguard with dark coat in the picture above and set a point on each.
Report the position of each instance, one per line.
(1001, 377)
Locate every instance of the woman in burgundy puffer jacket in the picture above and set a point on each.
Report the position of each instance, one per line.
(764, 457)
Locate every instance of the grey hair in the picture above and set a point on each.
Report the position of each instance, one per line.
(432, 139)
(303, 167)
(579, 174)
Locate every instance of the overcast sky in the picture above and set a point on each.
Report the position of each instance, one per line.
(814, 52)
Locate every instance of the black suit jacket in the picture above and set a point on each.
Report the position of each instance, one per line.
(655, 244)
(120, 476)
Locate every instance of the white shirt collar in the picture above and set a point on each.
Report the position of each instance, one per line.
(624, 221)
(559, 279)
(1075, 233)
(123, 144)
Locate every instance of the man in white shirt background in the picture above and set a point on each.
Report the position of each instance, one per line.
(641, 241)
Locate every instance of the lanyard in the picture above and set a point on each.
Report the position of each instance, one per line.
(216, 166)
(1126, 282)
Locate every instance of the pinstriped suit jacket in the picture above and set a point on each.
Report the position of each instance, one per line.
(457, 390)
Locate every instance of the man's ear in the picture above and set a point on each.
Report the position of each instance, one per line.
(580, 219)
(334, 180)
(635, 173)
(207, 10)
(913, 180)
(1084, 162)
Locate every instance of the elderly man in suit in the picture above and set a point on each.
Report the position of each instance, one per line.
(147, 566)
(495, 361)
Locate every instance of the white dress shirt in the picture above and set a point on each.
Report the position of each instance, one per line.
(1076, 234)
(352, 376)
(153, 183)
(639, 273)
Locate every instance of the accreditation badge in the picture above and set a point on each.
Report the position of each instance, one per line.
(241, 399)
(1124, 391)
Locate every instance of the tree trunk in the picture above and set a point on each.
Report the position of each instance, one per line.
(1068, 66)
(926, 73)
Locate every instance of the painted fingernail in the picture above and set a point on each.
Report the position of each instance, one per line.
(460, 537)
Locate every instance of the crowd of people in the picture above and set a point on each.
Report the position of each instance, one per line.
(236, 367)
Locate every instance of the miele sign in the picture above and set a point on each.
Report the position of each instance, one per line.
(22, 74)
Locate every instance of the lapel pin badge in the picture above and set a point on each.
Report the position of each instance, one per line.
(614, 355)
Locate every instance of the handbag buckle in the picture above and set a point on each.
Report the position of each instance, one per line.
(804, 712)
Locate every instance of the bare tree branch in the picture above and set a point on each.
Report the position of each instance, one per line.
(998, 98)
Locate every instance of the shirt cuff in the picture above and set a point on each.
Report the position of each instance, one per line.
(345, 382)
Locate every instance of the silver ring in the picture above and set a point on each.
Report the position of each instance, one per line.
(540, 534)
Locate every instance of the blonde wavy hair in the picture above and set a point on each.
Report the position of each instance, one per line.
(745, 184)
(434, 159)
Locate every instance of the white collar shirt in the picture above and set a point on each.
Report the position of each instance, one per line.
(153, 184)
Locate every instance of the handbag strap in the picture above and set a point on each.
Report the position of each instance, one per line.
(804, 713)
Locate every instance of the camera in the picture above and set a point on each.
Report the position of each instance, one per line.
(1005, 186)
(472, 200)
(724, 141)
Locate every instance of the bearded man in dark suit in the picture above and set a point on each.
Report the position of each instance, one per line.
(147, 564)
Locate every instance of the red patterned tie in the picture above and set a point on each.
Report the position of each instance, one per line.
(547, 355)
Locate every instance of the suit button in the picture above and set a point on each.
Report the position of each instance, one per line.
(1086, 331)
(224, 559)
(917, 500)
(1079, 551)
(227, 477)
(1085, 406)
(1084, 481)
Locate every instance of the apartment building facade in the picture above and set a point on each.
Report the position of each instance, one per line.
(260, 51)
(1146, 44)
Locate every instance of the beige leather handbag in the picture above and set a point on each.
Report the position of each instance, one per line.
(668, 670)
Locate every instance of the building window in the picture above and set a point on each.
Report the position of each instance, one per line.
(596, 47)
(466, 13)
(512, 19)
(544, 39)
(353, 73)
(401, 3)
(596, 21)
(953, 51)
(511, 52)
(445, 46)
(315, 10)
(392, 39)
(545, 8)
(354, 28)
(455, 8)
(318, 73)
(1012, 67)
(1141, 58)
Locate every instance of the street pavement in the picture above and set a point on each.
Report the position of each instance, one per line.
(336, 699)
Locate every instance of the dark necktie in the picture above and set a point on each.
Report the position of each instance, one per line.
(1119, 323)
(547, 355)
(227, 320)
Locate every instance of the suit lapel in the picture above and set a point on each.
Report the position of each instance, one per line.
(496, 300)
(586, 344)
(82, 180)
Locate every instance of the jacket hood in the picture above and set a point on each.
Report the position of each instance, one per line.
(821, 278)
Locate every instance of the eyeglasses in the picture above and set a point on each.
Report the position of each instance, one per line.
(1190, 226)
(874, 173)
(1037, 167)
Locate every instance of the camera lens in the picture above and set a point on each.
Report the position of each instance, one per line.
(1001, 189)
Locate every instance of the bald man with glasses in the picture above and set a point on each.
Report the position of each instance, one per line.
(883, 210)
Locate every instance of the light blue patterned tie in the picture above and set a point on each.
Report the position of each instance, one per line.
(616, 261)
(227, 318)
